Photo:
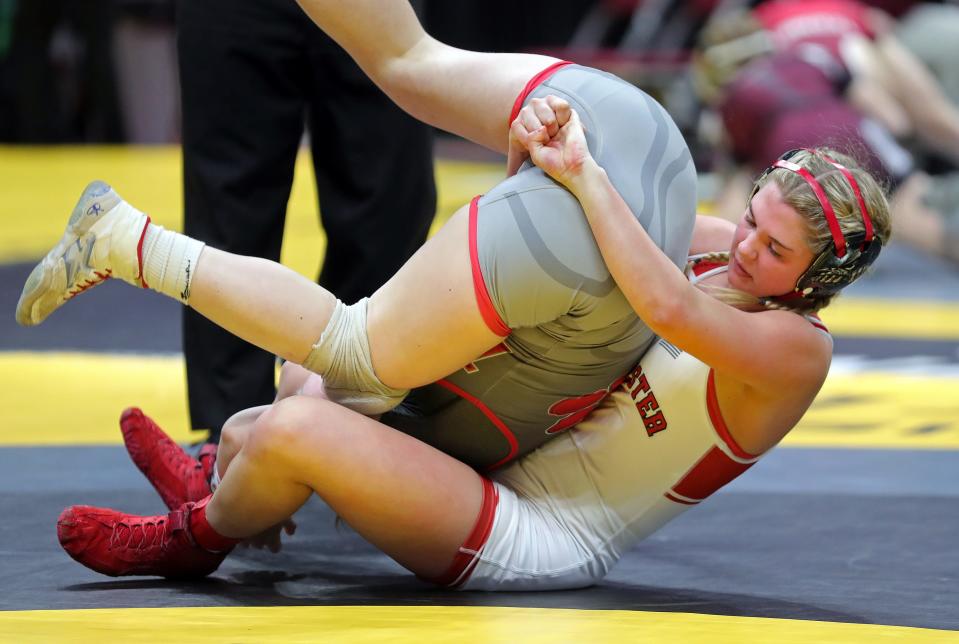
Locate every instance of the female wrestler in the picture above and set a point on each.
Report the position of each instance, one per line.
(702, 405)
(515, 276)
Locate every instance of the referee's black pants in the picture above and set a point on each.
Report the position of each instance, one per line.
(252, 73)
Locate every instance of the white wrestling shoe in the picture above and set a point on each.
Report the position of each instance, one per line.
(103, 239)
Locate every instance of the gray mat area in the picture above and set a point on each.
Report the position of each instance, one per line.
(864, 536)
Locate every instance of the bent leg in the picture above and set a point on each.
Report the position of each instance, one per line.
(233, 436)
(236, 430)
(422, 324)
(414, 320)
(425, 322)
(263, 302)
(415, 503)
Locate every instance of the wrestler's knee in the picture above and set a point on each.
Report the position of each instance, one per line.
(232, 437)
(286, 430)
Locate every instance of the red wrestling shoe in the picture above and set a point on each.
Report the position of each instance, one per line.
(117, 544)
(176, 476)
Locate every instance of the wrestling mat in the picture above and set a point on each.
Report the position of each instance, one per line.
(845, 533)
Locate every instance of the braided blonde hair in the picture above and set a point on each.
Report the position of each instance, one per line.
(799, 196)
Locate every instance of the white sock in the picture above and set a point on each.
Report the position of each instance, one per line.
(169, 261)
(215, 479)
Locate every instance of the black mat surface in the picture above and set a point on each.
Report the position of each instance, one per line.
(865, 536)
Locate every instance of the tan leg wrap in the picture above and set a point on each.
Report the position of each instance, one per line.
(342, 357)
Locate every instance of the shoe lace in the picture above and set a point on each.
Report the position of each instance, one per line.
(139, 535)
(87, 284)
(170, 452)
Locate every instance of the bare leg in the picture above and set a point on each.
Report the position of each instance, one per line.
(469, 93)
(237, 428)
(261, 301)
(465, 92)
(416, 335)
(424, 323)
(415, 503)
(233, 436)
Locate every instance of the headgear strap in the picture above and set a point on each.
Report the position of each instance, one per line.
(866, 219)
(839, 242)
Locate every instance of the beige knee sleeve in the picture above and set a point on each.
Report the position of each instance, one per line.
(342, 357)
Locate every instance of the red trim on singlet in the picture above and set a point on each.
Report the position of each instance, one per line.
(700, 268)
(483, 300)
(716, 416)
(676, 499)
(143, 236)
(533, 83)
(817, 322)
(486, 411)
(468, 554)
(714, 470)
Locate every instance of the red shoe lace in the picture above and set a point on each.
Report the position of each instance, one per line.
(171, 452)
(144, 534)
(100, 277)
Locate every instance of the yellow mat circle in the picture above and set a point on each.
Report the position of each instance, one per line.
(400, 624)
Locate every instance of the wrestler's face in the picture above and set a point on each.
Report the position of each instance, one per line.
(769, 251)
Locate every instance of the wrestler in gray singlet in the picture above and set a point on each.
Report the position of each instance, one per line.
(571, 333)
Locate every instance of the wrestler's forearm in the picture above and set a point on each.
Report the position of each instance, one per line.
(650, 281)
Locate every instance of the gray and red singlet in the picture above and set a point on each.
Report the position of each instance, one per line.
(569, 335)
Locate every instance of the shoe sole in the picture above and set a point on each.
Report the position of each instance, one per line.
(41, 277)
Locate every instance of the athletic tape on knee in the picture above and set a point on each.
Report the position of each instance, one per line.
(342, 357)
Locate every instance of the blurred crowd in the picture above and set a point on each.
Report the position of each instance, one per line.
(745, 80)
(105, 71)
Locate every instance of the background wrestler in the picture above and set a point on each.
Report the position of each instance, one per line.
(562, 516)
(519, 262)
(810, 73)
